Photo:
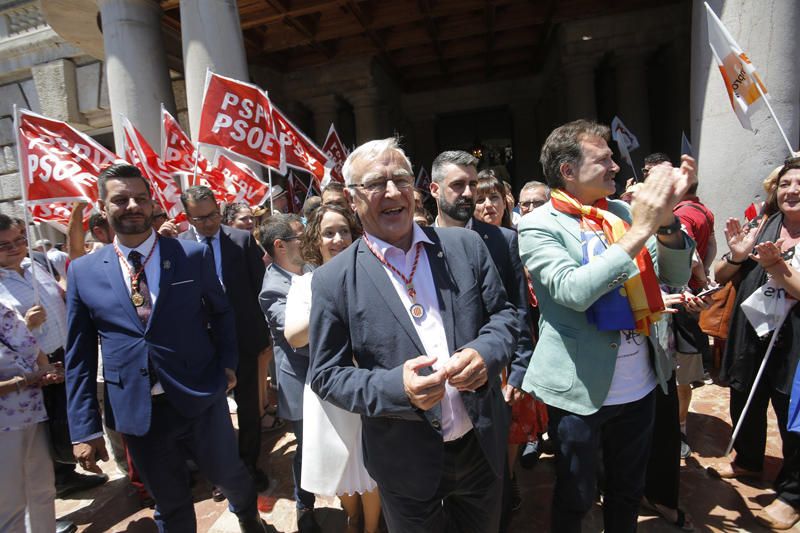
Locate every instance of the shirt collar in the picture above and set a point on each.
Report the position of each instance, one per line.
(143, 248)
(202, 238)
(383, 246)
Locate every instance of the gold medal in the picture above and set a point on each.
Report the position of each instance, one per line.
(417, 311)
(137, 299)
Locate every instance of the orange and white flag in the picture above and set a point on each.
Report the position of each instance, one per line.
(740, 76)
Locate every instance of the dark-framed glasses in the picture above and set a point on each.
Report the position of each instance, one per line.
(206, 218)
(7, 246)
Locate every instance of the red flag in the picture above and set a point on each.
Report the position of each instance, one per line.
(337, 154)
(297, 191)
(237, 116)
(751, 212)
(241, 183)
(141, 154)
(299, 151)
(57, 215)
(59, 163)
(177, 150)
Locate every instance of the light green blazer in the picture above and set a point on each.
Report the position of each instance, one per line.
(573, 362)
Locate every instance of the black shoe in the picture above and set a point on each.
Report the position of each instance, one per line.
(307, 522)
(530, 455)
(217, 495)
(516, 498)
(65, 526)
(260, 479)
(75, 482)
(253, 524)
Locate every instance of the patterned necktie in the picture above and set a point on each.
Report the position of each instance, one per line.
(146, 309)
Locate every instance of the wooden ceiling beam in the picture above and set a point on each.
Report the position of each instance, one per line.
(489, 15)
(301, 26)
(307, 8)
(424, 7)
(355, 10)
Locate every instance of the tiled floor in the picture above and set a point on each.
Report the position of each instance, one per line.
(714, 505)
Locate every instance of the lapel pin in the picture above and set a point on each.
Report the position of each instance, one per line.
(166, 264)
(440, 255)
(485, 237)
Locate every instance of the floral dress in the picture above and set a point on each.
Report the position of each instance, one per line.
(18, 353)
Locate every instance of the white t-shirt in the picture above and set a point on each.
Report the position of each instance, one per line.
(634, 377)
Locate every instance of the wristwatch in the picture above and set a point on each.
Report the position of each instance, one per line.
(730, 261)
(672, 228)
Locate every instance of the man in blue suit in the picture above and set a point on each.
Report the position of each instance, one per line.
(169, 353)
(434, 425)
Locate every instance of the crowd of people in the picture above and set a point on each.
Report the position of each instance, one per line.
(420, 344)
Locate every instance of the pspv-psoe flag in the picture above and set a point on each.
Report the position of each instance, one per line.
(56, 215)
(59, 163)
(299, 151)
(337, 154)
(241, 183)
(177, 149)
(237, 116)
(140, 153)
(740, 76)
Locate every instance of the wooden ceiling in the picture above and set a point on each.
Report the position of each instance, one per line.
(421, 43)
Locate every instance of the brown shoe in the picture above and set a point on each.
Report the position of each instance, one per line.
(731, 471)
(778, 515)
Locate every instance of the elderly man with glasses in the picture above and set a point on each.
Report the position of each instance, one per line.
(434, 425)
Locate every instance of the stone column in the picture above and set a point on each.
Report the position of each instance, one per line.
(632, 103)
(325, 109)
(212, 39)
(136, 66)
(366, 107)
(731, 158)
(579, 87)
(57, 88)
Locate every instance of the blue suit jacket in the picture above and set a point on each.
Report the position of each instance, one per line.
(190, 339)
(356, 314)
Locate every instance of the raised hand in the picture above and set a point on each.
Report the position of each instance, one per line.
(741, 240)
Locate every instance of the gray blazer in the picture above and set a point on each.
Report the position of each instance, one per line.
(292, 364)
(357, 314)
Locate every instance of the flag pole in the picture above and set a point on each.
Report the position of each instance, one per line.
(38, 234)
(271, 206)
(755, 384)
(775, 118)
(34, 283)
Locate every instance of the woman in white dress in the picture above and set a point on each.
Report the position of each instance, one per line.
(333, 460)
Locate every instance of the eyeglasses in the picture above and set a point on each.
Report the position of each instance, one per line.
(378, 185)
(533, 204)
(207, 218)
(16, 243)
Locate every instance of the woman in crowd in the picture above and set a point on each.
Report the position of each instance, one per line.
(490, 201)
(332, 451)
(239, 215)
(755, 264)
(26, 470)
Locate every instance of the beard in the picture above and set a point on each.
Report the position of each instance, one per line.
(125, 226)
(461, 210)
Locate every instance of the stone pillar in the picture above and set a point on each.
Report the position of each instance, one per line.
(731, 158)
(136, 66)
(212, 39)
(57, 88)
(366, 107)
(579, 84)
(632, 103)
(325, 109)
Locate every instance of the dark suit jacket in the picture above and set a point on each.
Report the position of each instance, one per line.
(242, 274)
(188, 355)
(356, 314)
(504, 249)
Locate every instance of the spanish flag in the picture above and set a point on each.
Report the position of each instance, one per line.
(744, 87)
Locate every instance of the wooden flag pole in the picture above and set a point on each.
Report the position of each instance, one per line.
(775, 118)
(34, 282)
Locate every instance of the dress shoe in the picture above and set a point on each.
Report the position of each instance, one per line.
(260, 479)
(252, 524)
(307, 522)
(731, 471)
(530, 454)
(65, 526)
(217, 495)
(778, 515)
(75, 482)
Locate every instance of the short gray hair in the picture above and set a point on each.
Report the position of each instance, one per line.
(370, 151)
(451, 157)
(534, 184)
(563, 145)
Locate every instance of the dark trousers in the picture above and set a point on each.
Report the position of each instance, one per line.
(248, 410)
(752, 438)
(624, 433)
(209, 440)
(664, 468)
(303, 499)
(467, 501)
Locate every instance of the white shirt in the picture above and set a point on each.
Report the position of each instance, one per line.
(152, 269)
(16, 291)
(634, 377)
(59, 260)
(214, 246)
(430, 328)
